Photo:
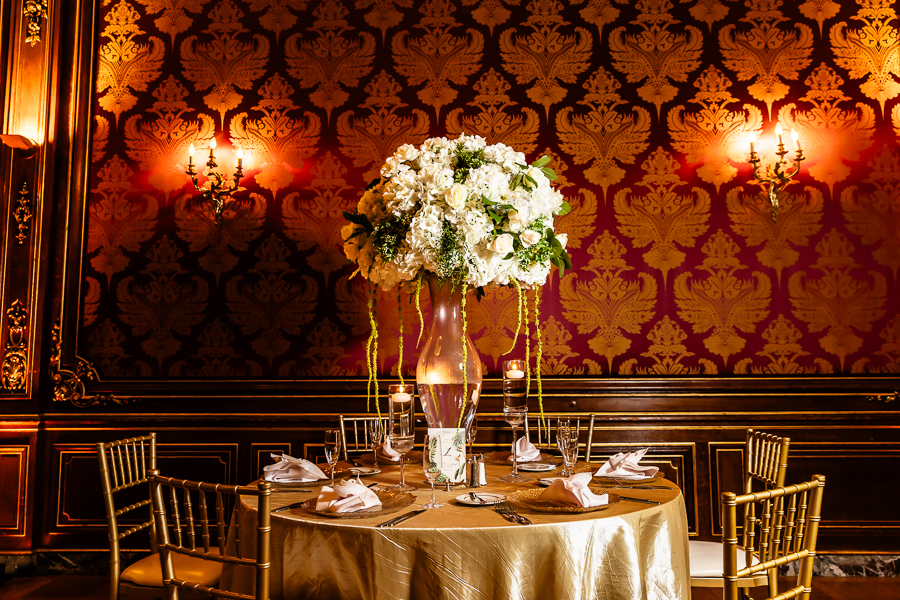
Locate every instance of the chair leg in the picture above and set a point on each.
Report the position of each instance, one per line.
(745, 595)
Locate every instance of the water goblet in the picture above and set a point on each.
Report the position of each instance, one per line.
(375, 429)
(402, 444)
(431, 464)
(332, 449)
(567, 442)
(514, 418)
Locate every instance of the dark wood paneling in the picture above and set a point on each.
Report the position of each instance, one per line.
(18, 445)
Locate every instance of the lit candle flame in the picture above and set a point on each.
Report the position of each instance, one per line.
(778, 132)
(212, 144)
(796, 139)
(191, 151)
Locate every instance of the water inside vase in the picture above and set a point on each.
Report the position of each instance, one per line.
(442, 403)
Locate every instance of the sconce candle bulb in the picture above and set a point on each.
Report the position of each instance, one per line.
(215, 191)
(796, 140)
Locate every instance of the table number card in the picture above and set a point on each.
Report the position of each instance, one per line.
(453, 461)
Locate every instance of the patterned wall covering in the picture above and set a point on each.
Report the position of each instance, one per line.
(647, 108)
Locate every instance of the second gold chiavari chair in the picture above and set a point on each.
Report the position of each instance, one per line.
(356, 436)
(780, 526)
(546, 435)
(765, 467)
(188, 515)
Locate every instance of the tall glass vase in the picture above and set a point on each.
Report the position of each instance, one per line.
(439, 372)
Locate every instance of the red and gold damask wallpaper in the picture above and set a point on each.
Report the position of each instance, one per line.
(646, 107)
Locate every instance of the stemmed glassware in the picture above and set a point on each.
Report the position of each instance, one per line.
(401, 432)
(431, 464)
(375, 429)
(515, 407)
(332, 449)
(471, 432)
(567, 442)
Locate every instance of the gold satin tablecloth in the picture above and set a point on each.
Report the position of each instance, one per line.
(629, 551)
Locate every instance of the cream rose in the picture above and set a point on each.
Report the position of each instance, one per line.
(563, 238)
(530, 237)
(407, 152)
(456, 196)
(502, 244)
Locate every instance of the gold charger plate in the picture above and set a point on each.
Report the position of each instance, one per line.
(500, 458)
(391, 501)
(529, 499)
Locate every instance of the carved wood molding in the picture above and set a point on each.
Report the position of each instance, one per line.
(14, 368)
(23, 213)
(34, 11)
(885, 398)
(69, 381)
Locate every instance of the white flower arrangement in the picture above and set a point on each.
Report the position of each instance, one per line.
(476, 215)
(466, 211)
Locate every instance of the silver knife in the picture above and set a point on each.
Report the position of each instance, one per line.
(644, 500)
(401, 518)
(289, 507)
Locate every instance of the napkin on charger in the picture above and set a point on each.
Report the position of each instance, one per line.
(289, 470)
(573, 491)
(348, 496)
(385, 451)
(626, 465)
(525, 451)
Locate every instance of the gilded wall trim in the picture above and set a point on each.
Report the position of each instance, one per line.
(34, 11)
(23, 213)
(69, 383)
(886, 398)
(15, 352)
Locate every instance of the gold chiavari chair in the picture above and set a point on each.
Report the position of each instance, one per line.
(125, 464)
(546, 436)
(781, 526)
(358, 440)
(765, 466)
(185, 540)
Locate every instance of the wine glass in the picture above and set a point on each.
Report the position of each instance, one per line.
(332, 449)
(375, 429)
(514, 418)
(431, 464)
(471, 432)
(567, 442)
(402, 444)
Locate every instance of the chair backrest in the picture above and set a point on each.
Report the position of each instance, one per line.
(545, 437)
(765, 460)
(779, 536)
(358, 440)
(125, 464)
(187, 540)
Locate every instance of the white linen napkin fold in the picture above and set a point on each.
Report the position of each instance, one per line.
(626, 465)
(525, 451)
(385, 451)
(573, 491)
(289, 469)
(348, 496)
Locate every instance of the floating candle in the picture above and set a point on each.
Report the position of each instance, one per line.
(515, 374)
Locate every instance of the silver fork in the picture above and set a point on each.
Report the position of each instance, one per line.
(506, 510)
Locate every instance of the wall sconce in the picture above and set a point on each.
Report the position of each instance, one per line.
(215, 191)
(776, 177)
(26, 147)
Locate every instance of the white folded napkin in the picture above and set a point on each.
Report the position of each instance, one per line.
(348, 496)
(289, 469)
(525, 451)
(573, 491)
(626, 465)
(385, 451)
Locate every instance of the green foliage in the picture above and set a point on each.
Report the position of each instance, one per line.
(466, 160)
(387, 236)
(358, 219)
(450, 254)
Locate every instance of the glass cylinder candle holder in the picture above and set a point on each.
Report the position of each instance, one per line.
(400, 403)
(514, 394)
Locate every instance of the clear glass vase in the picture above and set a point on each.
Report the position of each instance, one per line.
(439, 372)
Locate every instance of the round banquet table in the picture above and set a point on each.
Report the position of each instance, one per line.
(628, 551)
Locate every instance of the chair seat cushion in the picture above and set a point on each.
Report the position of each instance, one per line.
(147, 571)
(706, 559)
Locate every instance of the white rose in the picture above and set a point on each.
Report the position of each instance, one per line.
(530, 237)
(563, 238)
(407, 152)
(518, 219)
(502, 244)
(456, 196)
